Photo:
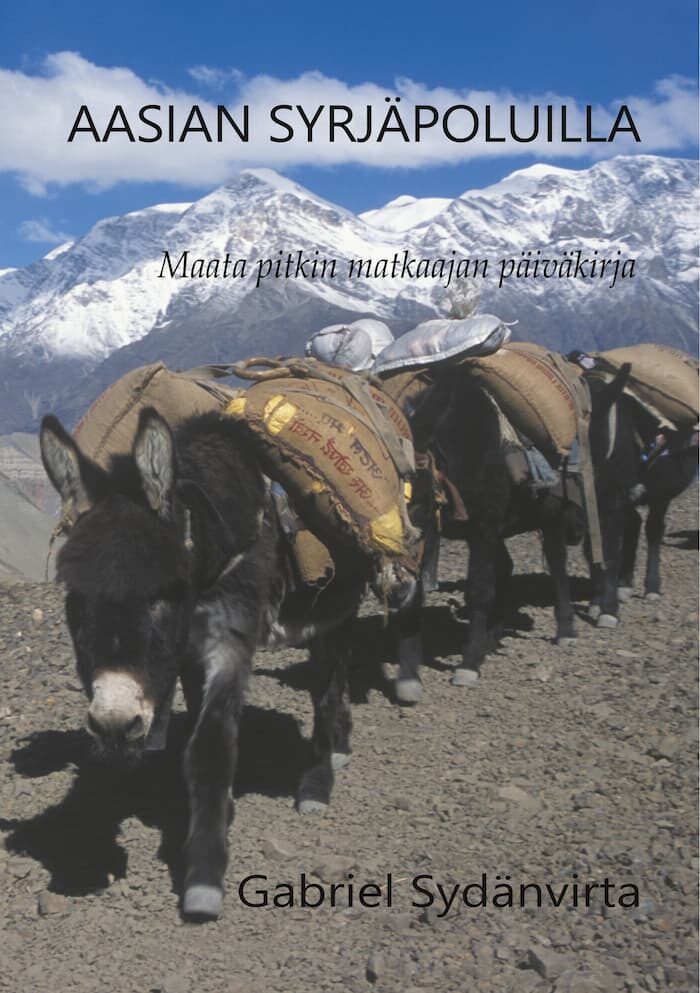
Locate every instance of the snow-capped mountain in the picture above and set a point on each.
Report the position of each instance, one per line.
(82, 315)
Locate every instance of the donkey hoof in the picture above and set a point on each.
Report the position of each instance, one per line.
(408, 690)
(653, 597)
(339, 760)
(594, 611)
(607, 621)
(624, 593)
(465, 677)
(203, 902)
(568, 642)
(311, 807)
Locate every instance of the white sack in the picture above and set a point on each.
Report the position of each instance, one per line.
(354, 346)
(441, 339)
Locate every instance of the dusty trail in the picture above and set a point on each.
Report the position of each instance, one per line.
(557, 763)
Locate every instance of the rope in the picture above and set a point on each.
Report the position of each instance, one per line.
(400, 449)
(63, 526)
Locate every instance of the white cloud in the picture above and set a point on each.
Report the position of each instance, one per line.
(38, 112)
(42, 231)
(214, 78)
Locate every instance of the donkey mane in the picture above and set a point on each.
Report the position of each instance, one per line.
(120, 548)
(211, 451)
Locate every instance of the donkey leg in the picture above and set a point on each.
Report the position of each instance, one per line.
(409, 623)
(613, 529)
(554, 541)
(431, 559)
(481, 596)
(596, 574)
(630, 540)
(330, 742)
(502, 604)
(210, 765)
(409, 688)
(655, 527)
(342, 726)
(192, 682)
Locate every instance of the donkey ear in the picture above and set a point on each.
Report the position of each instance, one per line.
(72, 476)
(154, 454)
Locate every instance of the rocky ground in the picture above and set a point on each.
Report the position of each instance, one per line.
(560, 767)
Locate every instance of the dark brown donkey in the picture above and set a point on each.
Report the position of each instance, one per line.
(176, 568)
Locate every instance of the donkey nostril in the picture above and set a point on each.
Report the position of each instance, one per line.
(135, 728)
(113, 730)
(94, 726)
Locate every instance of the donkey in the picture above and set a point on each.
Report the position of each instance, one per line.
(176, 567)
(664, 473)
(633, 467)
(457, 420)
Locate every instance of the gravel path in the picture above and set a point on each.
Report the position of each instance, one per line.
(561, 767)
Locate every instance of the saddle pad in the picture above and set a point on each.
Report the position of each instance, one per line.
(534, 392)
(407, 388)
(109, 425)
(662, 377)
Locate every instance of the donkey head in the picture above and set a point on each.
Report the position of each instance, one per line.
(131, 574)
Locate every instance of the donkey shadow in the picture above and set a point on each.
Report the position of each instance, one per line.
(375, 642)
(77, 839)
(687, 540)
(447, 627)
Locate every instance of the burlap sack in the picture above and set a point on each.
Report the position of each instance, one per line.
(357, 493)
(315, 439)
(534, 391)
(664, 377)
(379, 395)
(314, 563)
(109, 425)
(407, 387)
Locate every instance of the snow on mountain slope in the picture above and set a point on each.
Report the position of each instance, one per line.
(405, 212)
(58, 250)
(86, 300)
(641, 207)
(623, 201)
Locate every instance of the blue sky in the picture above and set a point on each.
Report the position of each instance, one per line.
(598, 53)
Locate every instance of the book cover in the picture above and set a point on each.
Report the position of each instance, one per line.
(196, 186)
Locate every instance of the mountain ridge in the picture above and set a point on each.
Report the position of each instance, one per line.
(91, 307)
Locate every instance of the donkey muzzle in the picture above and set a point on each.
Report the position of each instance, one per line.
(119, 716)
